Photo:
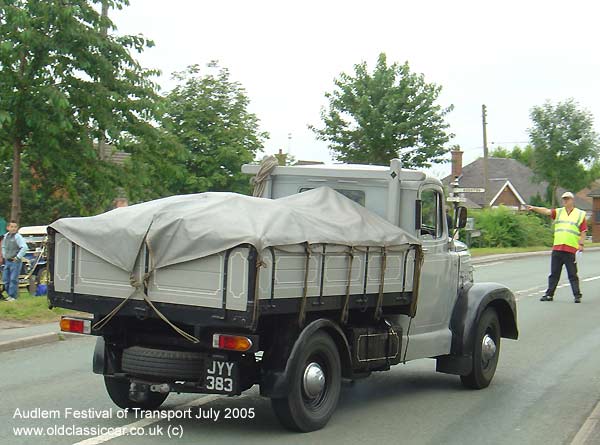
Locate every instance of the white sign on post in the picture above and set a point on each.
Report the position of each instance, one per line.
(456, 199)
(468, 190)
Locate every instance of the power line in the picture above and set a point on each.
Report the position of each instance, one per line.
(509, 142)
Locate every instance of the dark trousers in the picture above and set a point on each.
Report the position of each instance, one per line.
(558, 259)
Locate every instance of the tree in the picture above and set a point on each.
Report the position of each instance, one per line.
(207, 114)
(373, 118)
(156, 168)
(65, 82)
(564, 145)
(523, 155)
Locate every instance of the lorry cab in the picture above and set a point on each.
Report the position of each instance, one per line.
(411, 200)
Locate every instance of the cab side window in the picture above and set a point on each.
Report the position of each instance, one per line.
(432, 225)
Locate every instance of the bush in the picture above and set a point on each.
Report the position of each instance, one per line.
(502, 227)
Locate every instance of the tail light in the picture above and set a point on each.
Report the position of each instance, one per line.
(76, 325)
(232, 342)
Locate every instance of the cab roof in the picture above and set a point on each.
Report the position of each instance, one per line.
(357, 171)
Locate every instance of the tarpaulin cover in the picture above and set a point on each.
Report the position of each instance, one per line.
(187, 227)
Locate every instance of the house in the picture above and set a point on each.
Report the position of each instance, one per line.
(594, 221)
(107, 152)
(510, 183)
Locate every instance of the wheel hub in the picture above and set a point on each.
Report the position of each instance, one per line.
(313, 381)
(488, 348)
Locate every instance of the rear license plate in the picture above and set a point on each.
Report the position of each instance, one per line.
(221, 377)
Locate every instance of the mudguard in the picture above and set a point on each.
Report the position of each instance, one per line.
(276, 383)
(106, 358)
(471, 303)
(98, 365)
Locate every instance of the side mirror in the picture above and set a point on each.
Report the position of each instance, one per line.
(461, 217)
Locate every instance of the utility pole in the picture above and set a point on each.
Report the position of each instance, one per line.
(485, 157)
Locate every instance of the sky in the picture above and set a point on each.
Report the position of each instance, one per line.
(509, 55)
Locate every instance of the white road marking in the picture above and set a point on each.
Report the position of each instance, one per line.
(144, 422)
(534, 291)
(536, 288)
(587, 428)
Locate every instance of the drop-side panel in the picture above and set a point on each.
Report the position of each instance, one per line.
(237, 279)
(330, 269)
(62, 263)
(95, 276)
(196, 283)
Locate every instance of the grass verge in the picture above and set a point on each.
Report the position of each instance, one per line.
(30, 309)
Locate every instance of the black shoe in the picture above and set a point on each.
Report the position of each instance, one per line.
(547, 298)
(578, 299)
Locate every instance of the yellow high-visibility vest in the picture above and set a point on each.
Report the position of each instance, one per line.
(566, 227)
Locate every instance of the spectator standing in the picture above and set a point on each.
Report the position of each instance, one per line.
(14, 249)
(2, 232)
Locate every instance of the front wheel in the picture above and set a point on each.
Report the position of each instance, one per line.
(486, 351)
(118, 391)
(315, 386)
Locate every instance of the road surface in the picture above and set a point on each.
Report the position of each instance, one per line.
(547, 384)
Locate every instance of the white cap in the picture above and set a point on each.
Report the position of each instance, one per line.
(567, 195)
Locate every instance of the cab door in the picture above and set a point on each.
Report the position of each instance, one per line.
(438, 279)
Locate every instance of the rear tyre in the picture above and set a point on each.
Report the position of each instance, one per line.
(118, 391)
(315, 386)
(162, 364)
(486, 351)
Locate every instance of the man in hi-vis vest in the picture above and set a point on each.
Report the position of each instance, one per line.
(569, 233)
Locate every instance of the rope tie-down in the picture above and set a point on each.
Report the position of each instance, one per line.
(255, 310)
(345, 308)
(143, 286)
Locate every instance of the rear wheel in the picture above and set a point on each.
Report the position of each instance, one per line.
(118, 391)
(486, 351)
(315, 386)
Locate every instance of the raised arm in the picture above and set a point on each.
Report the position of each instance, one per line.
(540, 210)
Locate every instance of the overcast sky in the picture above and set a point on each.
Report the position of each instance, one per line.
(509, 55)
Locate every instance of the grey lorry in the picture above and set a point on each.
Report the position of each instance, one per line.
(353, 270)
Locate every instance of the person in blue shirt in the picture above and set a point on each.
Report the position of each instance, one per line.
(14, 249)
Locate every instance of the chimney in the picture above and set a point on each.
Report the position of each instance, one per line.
(456, 162)
(281, 157)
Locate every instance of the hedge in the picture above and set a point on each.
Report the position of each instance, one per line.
(503, 227)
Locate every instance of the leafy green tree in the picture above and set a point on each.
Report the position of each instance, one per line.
(207, 114)
(501, 152)
(392, 112)
(523, 155)
(65, 83)
(564, 145)
(156, 168)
